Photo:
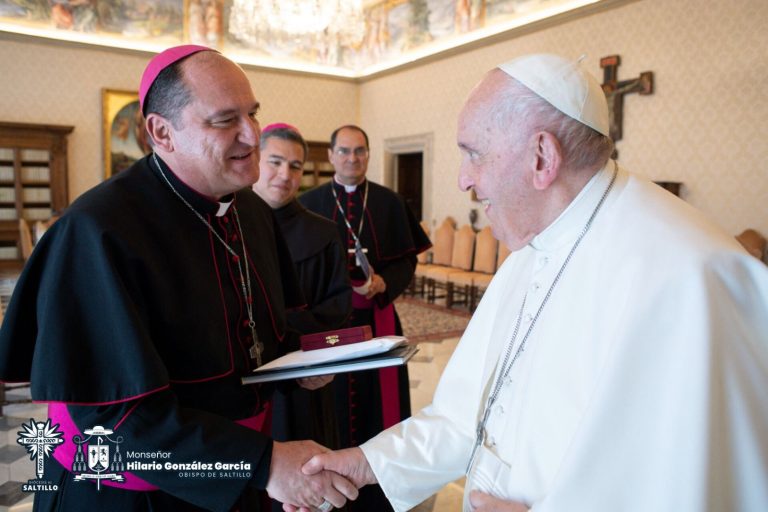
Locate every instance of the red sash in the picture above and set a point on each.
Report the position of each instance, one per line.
(384, 325)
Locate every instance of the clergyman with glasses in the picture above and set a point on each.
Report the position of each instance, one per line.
(383, 238)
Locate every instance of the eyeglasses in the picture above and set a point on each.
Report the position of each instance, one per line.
(359, 152)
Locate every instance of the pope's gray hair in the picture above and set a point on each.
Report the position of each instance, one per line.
(518, 107)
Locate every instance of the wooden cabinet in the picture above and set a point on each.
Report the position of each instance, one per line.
(33, 178)
(317, 168)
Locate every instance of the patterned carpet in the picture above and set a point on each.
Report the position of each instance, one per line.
(429, 322)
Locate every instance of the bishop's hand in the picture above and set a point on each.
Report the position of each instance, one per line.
(378, 285)
(351, 463)
(288, 484)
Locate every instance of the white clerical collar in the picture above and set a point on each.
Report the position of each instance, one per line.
(571, 221)
(223, 207)
(348, 188)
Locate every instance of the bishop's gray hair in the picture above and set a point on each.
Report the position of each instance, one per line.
(582, 146)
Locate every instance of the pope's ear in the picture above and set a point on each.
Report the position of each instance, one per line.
(549, 158)
(159, 129)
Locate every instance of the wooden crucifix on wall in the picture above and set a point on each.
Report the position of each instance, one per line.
(615, 90)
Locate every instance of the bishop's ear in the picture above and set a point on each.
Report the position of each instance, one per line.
(159, 130)
(549, 157)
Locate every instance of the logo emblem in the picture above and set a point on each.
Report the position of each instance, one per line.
(96, 444)
(40, 439)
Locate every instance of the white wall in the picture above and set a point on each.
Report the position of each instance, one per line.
(51, 82)
(704, 125)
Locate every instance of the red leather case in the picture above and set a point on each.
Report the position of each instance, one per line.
(335, 338)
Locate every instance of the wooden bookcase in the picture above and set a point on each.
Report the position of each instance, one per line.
(33, 179)
(317, 168)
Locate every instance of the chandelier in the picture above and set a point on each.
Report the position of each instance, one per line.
(333, 21)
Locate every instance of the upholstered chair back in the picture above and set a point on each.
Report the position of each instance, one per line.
(442, 243)
(485, 251)
(463, 248)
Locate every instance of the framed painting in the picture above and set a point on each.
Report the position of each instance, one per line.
(124, 136)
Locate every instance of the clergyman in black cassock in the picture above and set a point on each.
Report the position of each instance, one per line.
(387, 230)
(321, 267)
(127, 312)
(304, 411)
(320, 262)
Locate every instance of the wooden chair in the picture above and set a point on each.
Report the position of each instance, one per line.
(464, 283)
(4, 398)
(424, 256)
(422, 259)
(25, 239)
(461, 261)
(442, 248)
(40, 227)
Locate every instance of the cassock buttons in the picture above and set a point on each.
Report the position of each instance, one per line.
(543, 261)
(535, 286)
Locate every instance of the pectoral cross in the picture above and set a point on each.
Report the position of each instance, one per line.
(255, 352)
(480, 435)
(258, 347)
(615, 90)
(355, 252)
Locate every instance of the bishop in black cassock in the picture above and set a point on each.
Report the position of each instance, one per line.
(129, 315)
(320, 263)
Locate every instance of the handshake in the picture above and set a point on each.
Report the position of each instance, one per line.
(306, 476)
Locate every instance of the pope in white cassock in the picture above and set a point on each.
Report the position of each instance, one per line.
(619, 359)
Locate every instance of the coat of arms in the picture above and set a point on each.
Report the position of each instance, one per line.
(100, 466)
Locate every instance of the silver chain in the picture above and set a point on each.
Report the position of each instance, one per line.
(344, 214)
(507, 365)
(245, 278)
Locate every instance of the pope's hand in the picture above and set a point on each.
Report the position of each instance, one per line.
(288, 484)
(350, 463)
(483, 502)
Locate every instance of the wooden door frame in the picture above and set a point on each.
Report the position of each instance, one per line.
(422, 143)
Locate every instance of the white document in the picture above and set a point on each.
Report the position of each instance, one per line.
(331, 354)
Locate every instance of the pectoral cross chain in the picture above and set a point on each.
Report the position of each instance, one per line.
(480, 434)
